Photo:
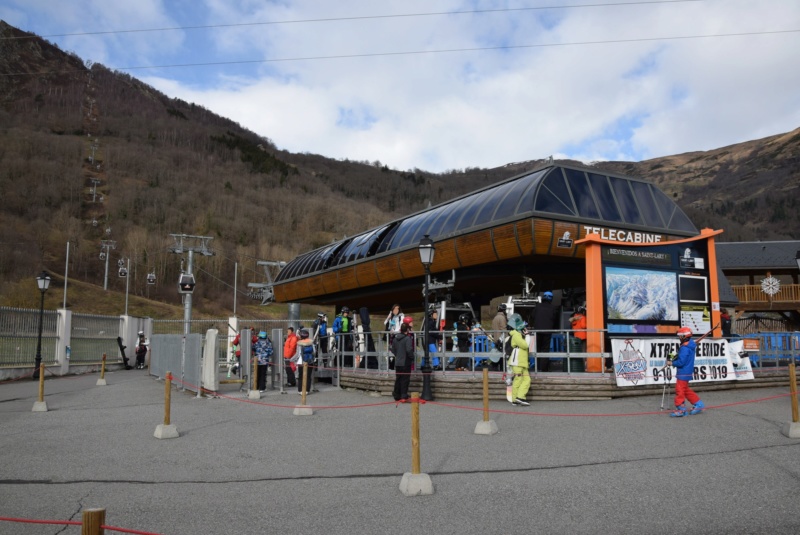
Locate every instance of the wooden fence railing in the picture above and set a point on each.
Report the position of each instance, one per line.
(752, 293)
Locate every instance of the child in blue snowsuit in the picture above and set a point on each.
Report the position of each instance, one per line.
(684, 363)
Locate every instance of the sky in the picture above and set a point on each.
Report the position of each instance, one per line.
(444, 85)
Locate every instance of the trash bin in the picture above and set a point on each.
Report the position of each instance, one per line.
(575, 346)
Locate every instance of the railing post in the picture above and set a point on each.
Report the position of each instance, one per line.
(486, 426)
(93, 519)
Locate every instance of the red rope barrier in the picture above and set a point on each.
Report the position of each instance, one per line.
(73, 523)
(31, 521)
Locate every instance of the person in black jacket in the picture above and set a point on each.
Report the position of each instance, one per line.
(545, 318)
(403, 349)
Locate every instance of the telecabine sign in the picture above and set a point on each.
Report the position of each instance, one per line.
(621, 235)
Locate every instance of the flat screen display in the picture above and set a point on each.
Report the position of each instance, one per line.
(693, 289)
(641, 295)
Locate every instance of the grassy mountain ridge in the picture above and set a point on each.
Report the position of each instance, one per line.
(88, 154)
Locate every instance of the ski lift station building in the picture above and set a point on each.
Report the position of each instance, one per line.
(563, 227)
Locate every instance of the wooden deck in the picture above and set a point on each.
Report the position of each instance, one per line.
(544, 387)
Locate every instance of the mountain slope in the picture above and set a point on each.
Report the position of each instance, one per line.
(87, 155)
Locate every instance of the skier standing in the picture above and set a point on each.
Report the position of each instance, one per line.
(684, 364)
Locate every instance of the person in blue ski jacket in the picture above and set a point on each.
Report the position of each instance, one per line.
(684, 364)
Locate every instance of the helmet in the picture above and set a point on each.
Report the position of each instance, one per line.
(303, 333)
(464, 318)
(431, 312)
(262, 334)
(320, 314)
(345, 310)
(581, 309)
(684, 332)
(141, 333)
(516, 322)
(408, 320)
(548, 296)
(501, 307)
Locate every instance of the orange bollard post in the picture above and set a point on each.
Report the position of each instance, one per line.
(793, 390)
(305, 384)
(167, 430)
(415, 461)
(102, 380)
(415, 483)
(40, 405)
(41, 383)
(167, 397)
(93, 519)
(486, 426)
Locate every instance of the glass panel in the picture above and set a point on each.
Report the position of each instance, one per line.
(553, 195)
(368, 244)
(627, 204)
(486, 212)
(339, 257)
(386, 242)
(607, 204)
(350, 253)
(647, 204)
(672, 214)
(445, 211)
(406, 230)
(424, 226)
(450, 224)
(305, 266)
(526, 202)
(581, 193)
(509, 203)
(468, 213)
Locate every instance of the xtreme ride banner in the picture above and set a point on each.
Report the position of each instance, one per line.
(641, 361)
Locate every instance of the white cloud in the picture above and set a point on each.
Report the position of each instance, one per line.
(629, 100)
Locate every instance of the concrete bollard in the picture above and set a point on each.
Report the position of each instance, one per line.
(415, 483)
(92, 521)
(102, 380)
(166, 430)
(792, 429)
(486, 426)
(41, 404)
(303, 409)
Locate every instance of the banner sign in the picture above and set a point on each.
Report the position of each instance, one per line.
(641, 361)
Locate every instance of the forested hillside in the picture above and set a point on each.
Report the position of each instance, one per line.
(87, 154)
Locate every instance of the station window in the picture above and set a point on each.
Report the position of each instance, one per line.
(605, 198)
(493, 200)
(526, 202)
(582, 194)
(627, 203)
(554, 196)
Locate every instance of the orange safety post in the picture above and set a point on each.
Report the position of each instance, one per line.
(167, 393)
(103, 367)
(93, 520)
(793, 390)
(304, 383)
(485, 393)
(415, 464)
(41, 383)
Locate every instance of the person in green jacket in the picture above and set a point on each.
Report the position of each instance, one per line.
(519, 360)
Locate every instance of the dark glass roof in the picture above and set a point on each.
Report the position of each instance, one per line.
(570, 194)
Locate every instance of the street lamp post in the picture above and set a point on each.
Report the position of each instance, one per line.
(426, 252)
(43, 280)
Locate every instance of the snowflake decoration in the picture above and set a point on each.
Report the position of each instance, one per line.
(770, 285)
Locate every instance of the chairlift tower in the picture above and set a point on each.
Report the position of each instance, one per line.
(184, 243)
(106, 245)
(263, 290)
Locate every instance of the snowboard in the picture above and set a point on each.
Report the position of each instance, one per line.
(122, 353)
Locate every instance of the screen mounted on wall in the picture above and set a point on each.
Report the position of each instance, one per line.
(641, 295)
(693, 289)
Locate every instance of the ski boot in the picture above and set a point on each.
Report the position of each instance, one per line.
(698, 407)
(679, 411)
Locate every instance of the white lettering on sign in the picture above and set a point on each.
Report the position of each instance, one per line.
(621, 235)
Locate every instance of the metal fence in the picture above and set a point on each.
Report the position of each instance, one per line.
(19, 332)
(92, 336)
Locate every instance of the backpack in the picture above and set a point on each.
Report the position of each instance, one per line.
(308, 353)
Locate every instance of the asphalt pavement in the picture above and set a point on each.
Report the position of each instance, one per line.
(241, 467)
